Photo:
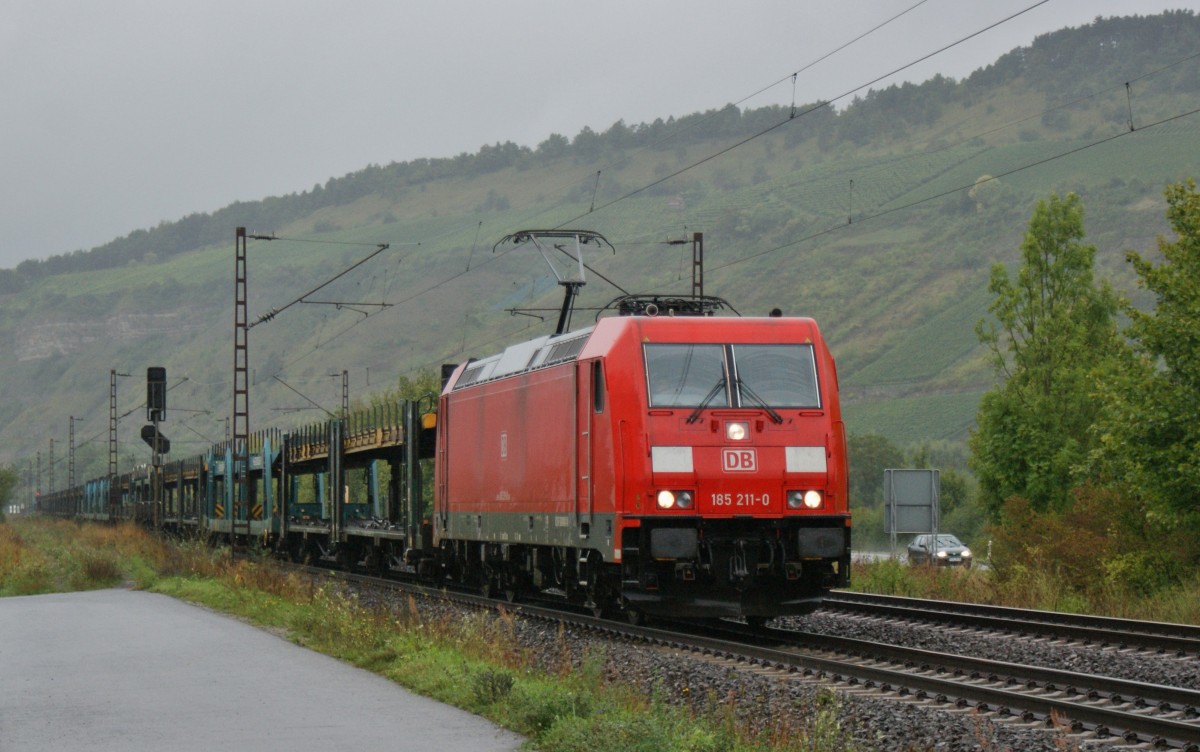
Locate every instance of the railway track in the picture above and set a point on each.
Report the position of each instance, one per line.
(1124, 713)
(1123, 634)
(1103, 707)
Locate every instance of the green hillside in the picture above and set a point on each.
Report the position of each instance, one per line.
(878, 219)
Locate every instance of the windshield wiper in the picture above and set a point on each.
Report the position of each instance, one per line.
(717, 388)
(748, 392)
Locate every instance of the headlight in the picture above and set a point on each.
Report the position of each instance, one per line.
(737, 431)
(680, 499)
(942, 554)
(966, 554)
(808, 499)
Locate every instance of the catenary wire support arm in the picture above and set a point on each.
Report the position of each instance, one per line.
(340, 304)
(379, 248)
(304, 397)
(697, 242)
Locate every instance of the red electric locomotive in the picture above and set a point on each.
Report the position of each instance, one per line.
(674, 465)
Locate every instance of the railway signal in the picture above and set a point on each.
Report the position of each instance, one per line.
(150, 434)
(156, 394)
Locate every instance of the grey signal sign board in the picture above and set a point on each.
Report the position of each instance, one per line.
(911, 501)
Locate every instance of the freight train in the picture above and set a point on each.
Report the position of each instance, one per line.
(653, 463)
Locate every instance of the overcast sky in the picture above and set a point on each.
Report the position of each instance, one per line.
(120, 114)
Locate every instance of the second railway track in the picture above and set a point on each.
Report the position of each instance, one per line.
(1115, 712)
(1182, 640)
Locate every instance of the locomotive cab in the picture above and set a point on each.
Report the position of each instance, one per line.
(741, 507)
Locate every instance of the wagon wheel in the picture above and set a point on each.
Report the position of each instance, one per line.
(512, 588)
(346, 556)
(491, 582)
(377, 561)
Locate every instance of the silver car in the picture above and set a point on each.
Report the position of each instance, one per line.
(942, 549)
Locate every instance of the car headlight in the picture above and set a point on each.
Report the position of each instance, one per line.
(966, 554)
(942, 554)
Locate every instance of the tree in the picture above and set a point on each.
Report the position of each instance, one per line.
(554, 147)
(8, 481)
(425, 384)
(870, 454)
(1150, 431)
(1052, 333)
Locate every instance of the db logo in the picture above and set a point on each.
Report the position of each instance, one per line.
(739, 460)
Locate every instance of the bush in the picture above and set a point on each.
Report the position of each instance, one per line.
(491, 685)
(1143, 572)
(1102, 546)
(619, 730)
(536, 706)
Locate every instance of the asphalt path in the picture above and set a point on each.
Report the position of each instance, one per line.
(134, 671)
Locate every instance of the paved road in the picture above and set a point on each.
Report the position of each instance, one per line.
(133, 671)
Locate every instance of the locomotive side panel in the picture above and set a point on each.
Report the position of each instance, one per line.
(512, 471)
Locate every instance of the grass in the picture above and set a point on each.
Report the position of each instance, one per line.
(1029, 588)
(911, 420)
(47, 557)
(561, 700)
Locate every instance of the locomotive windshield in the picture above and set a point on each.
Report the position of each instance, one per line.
(693, 375)
(683, 375)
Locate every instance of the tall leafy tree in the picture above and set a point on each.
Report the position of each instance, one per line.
(1052, 329)
(870, 455)
(1150, 432)
(8, 482)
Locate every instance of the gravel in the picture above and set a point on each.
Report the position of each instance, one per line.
(864, 719)
(1089, 659)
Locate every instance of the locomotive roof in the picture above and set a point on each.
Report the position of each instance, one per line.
(526, 356)
(552, 349)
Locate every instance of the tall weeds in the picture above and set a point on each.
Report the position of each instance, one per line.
(1028, 585)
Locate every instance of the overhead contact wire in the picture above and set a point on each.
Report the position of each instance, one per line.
(952, 191)
(818, 106)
